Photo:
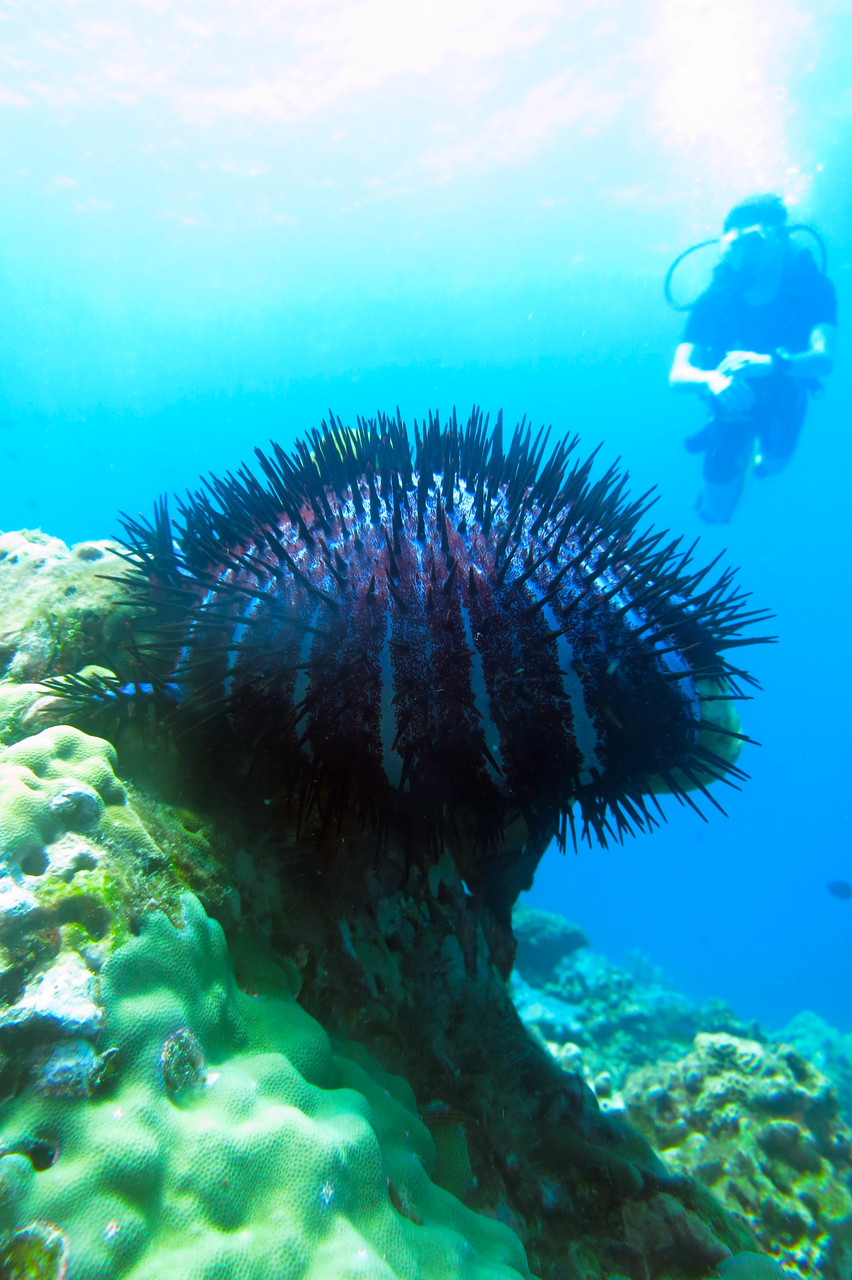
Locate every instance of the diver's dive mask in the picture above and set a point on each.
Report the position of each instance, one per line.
(742, 242)
(742, 236)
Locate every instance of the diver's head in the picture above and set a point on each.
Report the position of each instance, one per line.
(755, 238)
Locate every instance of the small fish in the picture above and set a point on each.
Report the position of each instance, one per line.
(840, 888)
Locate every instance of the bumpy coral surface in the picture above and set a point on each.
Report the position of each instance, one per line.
(233, 1141)
(76, 866)
(760, 1126)
(58, 796)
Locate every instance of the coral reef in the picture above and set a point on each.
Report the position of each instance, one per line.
(75, 863)
(760, 1126)
(606, 1020)
(598, 1017)
(108, 1006)
(827, 1048)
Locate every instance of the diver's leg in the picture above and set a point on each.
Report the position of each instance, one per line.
(777, 441)
(727, 462)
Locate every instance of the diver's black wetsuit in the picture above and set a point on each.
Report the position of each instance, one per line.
(722, 321)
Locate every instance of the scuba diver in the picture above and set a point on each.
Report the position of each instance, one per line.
(757, 342)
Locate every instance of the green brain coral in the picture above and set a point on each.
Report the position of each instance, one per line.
(234, 1141)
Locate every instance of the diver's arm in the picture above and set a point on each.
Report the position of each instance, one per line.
(686, 376)
(818, 360)
(733, 394)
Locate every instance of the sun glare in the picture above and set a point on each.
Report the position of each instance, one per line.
(721, 86)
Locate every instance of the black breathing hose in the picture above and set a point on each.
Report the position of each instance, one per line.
(704, 244)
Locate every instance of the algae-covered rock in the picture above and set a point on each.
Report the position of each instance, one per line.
(60, 606)
(290, 1158)
(77, 865)
(760, 1126)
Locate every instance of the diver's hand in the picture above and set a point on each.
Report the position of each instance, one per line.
(732, 393)
(749, 364)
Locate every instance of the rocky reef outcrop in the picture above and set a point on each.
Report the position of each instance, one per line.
(827, 1048)
(760, 1125)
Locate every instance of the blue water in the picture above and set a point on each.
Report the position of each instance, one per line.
(216, 223)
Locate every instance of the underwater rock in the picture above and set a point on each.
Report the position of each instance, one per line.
(553, 1019)
(672, 1237)
(827, 1048)
(70, 1069)
(760, 1126)
(544, 939)
(61, 999)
